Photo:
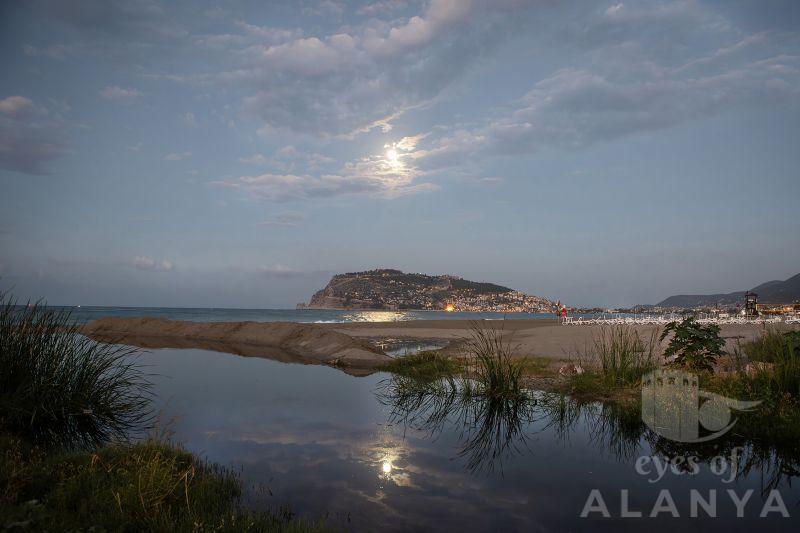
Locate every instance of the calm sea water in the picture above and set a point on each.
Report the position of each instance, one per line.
(369, 456)
(86, 314)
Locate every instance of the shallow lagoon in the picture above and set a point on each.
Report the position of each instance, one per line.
(322, 441)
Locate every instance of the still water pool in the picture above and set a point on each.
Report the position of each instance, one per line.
(370, 456)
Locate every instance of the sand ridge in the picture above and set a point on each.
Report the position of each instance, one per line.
(282, 341)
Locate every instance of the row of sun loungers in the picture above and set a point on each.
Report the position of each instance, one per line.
(661, 320)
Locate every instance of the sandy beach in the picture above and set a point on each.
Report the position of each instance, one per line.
(353, 345)
(530, 337)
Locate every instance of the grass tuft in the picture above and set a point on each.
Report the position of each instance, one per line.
(625, 355)
(428, 365)
(491, 363)
(61, 389)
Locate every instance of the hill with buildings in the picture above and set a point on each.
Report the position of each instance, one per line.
(395, 290)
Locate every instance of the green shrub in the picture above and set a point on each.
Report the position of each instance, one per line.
(694, 345)
(59, 388)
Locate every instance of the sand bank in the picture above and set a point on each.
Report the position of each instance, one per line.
(531, 337)
(351, 346)
(288, 342)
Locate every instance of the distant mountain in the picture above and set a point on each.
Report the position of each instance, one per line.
(393, 289)
(770, 292)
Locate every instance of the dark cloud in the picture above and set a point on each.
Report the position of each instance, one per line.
(116, 19)
(30, 136)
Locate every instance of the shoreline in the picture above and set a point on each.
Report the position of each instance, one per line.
(353, 346)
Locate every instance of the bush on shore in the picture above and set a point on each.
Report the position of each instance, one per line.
(694, 346)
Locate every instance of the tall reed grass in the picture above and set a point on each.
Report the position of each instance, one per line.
(778, 362)
(486, 400)
(61, 389)
(625, 355)
(491, 363)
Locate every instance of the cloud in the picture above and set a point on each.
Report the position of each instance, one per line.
(286, 187)
(282, 271)
(55, 51)
(143, 262)
(576, 108)
(359, 77)
(326, 8)
(290, 158)
(174, 156)
(119, 94)
(288, 219)
(255, 159)
(391, 174)
(420, 30)
(621, 94)
(382, 7)
(189, 119)
(267, 35)
(30, 135)
(15, 106)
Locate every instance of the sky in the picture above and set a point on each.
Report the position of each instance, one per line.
(238, 153)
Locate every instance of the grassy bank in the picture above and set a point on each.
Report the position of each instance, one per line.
(148, 486)
(767, 369)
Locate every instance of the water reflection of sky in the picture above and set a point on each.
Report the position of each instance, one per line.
(319, 440)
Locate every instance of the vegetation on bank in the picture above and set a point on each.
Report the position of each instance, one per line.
(149, 486)
(767, 369)
(61, 389)
(487, 366)
(426, 365)
(624, 357)
(68, 406)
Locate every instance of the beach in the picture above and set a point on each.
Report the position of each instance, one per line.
(355, 345)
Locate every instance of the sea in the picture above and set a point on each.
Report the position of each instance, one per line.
(86, 314)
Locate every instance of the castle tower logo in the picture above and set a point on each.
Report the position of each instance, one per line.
(671, 406)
